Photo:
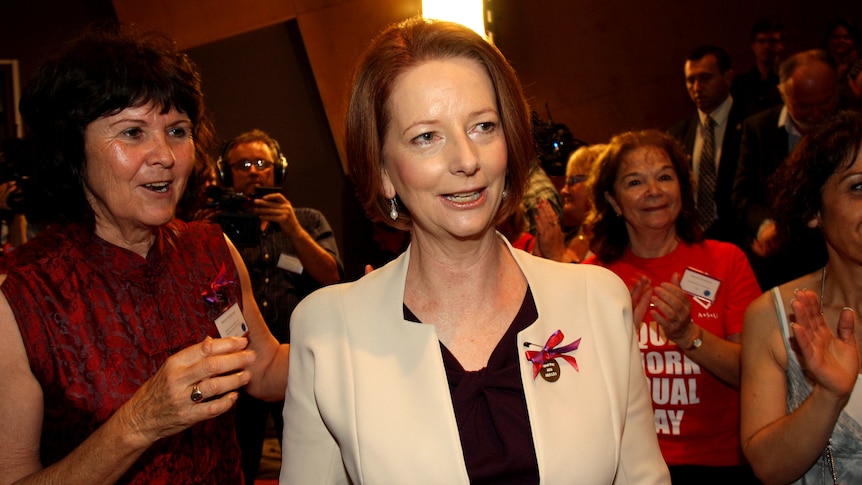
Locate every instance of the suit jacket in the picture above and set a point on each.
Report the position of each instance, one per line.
(763, 149)
(368, 400)
(753, 93)
(725, 227)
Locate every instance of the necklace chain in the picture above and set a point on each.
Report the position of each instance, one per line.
(829, 456)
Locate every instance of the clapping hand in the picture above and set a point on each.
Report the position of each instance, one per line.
(830, 359)
(667, 304)
(550, 240)
(672, 310)
(641, 293)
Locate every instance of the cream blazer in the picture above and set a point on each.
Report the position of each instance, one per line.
(368, 401)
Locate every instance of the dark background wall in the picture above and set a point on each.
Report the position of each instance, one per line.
(600, 66)
(605, 66)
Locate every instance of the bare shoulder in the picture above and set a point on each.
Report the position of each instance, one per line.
(21, 407)
(761, 312)
(12, 353)
(761, 333)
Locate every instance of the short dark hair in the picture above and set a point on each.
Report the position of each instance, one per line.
(721, 56)
(767, 25)
(848, 24)
(610, 237)
(399, 48)
(103, 71)
(797, 184)
(250, 137)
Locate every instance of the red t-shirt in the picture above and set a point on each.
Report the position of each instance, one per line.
(525, 242)
(696, 414)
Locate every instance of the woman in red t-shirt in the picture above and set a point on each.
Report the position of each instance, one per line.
(645, 229)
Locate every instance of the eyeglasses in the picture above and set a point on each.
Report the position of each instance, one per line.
(576, 179)
(245, 165)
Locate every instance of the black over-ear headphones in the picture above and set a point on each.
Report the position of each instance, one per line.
(225, 176)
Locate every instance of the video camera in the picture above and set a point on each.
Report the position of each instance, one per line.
(234, 216)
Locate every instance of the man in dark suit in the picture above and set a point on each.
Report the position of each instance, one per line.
(708, 77)
(809, 88)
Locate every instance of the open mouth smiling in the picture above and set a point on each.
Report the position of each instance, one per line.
(464, 196)
(160, 187)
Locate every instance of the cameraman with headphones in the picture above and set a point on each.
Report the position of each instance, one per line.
(294, 255)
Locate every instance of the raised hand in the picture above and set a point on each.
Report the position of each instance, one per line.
(672, 310)
(641, 293)
(550, 240)
(830, 359)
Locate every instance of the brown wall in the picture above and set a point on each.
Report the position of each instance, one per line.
(605, 66)
(334, 32)
(601, 66)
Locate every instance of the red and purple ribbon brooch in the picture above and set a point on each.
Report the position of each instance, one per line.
(215, 292)
(544, 361)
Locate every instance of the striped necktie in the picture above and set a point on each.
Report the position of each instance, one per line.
(706, 177)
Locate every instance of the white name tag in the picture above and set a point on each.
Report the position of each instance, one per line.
(290, 263)
(231, 323)
(699, 284)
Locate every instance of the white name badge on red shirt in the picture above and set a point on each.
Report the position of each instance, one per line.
(699, 284)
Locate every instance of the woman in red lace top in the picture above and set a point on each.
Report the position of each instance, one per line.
(126, 333)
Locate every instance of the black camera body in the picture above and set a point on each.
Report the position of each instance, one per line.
(234, 216)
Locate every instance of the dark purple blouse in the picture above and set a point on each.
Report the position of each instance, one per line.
(491, 411)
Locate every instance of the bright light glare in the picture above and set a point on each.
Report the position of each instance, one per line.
(470, 13)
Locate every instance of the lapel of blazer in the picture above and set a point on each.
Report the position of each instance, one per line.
(550, 404)
(401, 388)
(729, 158)
(773, 149)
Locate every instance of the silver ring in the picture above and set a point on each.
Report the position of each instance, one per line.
(197, 395)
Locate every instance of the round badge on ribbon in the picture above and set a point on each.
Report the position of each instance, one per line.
(545, 360)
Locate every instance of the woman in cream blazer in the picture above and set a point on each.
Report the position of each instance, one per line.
(439, 143)
(368, 401)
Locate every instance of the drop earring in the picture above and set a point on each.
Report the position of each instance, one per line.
(393, 212)
(505, 193)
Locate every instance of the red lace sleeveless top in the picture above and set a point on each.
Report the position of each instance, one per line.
(98, 321)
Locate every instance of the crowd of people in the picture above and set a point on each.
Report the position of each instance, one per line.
(683, 303)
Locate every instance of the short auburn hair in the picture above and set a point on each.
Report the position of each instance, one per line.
(396, 50)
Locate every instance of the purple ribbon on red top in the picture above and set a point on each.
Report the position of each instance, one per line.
(549, 352)
(213, 293)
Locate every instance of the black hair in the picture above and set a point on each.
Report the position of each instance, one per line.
(105, 70)
(721, 56)
(797, 185)
(767, 25)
